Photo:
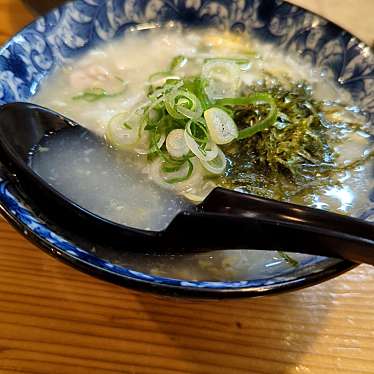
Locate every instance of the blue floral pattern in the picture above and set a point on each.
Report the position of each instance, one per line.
(77, 26)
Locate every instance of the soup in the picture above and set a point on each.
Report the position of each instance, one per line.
(104, 182)
(185, 111)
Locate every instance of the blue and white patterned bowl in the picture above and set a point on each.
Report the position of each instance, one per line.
(77, 26)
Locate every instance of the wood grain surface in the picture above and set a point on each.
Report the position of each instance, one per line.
(54, 319)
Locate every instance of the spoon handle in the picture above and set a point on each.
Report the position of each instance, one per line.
(228, 219)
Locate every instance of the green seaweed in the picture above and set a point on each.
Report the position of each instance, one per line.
(296, 156)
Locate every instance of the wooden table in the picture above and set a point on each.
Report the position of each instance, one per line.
(54, 319)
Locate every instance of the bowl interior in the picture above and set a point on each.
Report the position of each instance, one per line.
(77, 27)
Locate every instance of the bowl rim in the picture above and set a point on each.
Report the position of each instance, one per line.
(330, 272)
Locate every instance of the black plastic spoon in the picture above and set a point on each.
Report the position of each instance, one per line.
(226, 219)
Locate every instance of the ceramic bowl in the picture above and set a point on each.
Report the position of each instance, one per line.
(78, 26)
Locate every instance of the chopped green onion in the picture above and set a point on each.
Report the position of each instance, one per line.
(221, 126)
(126, 126)
(176, 144)
(95, 94)
(198, 132)
(197, 86)
(120, 134)
(170, 168)
(216, 166)
(158, 75)
(205, 151)
(244, 63)
(185, 177)
(156, 148)
(294, 263)
(162, 77)
(183, 104)
(177, 63)
(254, 99)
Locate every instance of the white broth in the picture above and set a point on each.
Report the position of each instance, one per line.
(104, 182)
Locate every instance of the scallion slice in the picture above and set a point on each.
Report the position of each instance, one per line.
(254, 99)
(184, 177)
(221, 126)
(205, 151)
(217, 165)
(176, 144)
(95, 94)
(122, 131)
(183, 104)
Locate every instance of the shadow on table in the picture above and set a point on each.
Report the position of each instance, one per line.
(267, 335)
